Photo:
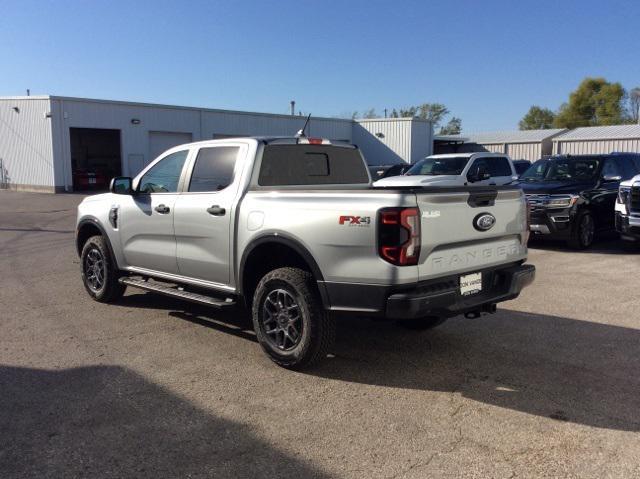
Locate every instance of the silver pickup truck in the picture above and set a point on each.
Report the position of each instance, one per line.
(292, 229)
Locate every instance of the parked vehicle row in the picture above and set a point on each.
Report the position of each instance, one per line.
(456, 169)
(293, 230)
(628, 210)
(571, 198)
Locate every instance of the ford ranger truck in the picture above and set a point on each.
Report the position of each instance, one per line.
(292, 230)
(628, 210)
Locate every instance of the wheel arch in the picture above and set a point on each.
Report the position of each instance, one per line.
(282, 251)
(88, 227)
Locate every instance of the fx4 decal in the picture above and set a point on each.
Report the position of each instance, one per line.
(355, 220)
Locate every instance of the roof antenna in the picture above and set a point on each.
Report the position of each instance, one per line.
(301, 133)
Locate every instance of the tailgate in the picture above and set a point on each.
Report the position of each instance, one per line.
(464, 230)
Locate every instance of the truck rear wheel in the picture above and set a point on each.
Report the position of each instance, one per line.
(291, 325)
(99, 272)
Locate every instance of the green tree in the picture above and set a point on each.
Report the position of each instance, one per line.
(434, 112)
(370, 113)
(408, 112)
(537, 118)
(594, 102)
(634, 105)
(453, 127)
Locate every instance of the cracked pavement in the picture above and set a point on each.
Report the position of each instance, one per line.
(547, 387)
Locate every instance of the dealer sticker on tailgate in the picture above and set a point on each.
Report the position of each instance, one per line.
(470, 284)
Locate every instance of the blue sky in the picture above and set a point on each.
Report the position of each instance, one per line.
(487, 61)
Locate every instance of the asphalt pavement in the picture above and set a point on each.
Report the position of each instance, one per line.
(549, 386)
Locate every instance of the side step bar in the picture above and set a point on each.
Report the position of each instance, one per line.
(176, 292)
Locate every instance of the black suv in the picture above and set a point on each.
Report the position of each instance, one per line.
(573, 197)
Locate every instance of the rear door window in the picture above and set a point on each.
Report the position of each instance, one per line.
(213, 170)
(300, 165)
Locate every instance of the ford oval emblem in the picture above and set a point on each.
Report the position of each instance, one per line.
(484, 221)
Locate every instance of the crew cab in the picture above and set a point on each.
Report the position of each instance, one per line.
(456, 169)
(292, 230)
(628, 210)
(572, 197)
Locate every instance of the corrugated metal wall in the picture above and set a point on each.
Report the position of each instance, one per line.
(524, 151)
(201, 124)
(494, 148)
(421, 139)
(584, 147)
(25, 144)
(384, 141)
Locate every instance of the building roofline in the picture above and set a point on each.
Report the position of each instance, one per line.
(30, 97)
(406, 118)
(171, 107)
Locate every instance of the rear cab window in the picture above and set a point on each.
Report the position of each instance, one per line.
(306, 165)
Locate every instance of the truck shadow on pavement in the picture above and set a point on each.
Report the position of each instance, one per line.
(107, 421)
(564, 369)
(561, 368)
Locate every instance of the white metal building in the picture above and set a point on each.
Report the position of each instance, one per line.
(519, 145)
(46, 140)
(598, 139)
(397, 139)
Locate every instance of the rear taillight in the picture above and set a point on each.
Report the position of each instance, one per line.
(527, 212)
(399, 235)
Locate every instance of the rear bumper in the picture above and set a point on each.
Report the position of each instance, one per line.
(439, 297)
(628, 226)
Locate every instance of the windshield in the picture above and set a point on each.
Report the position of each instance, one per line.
(439, 166)
(562, 169)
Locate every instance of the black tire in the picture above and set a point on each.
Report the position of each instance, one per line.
(583, 231)
(421, 324)
(287, 302)
(99, 272)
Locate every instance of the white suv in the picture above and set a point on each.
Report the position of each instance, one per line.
(456, 169)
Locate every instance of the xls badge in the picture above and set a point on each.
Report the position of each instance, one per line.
(355, 220)
(484, 221)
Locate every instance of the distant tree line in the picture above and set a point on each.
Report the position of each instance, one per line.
(595, 102)
(437, 113)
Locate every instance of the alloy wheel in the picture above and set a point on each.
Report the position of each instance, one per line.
(587, 229)
(94, 269)
(282, 320)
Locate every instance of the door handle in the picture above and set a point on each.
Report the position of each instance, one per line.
(162, 209)
(215, 210)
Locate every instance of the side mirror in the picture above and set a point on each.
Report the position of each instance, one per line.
(478, 173)
(121, 185)
(611, 178)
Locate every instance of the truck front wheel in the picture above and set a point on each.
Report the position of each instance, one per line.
(99, 272)
(583, 231)
(291, 325)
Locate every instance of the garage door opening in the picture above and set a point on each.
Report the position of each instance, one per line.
(95, 157)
